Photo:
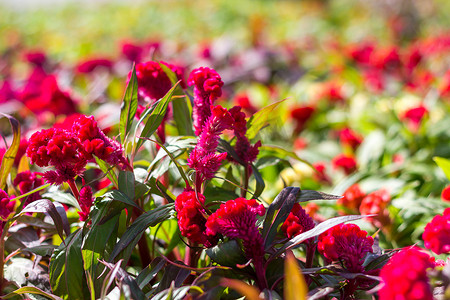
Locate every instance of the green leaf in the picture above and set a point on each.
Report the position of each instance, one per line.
(121, 197)
(444, 164)
(108, 170)
(135, 231)
(260, 185)
(175, 274)
(67, 278)
(281, 153)
(150, 272)
(126, 183)
(129, 106)
(10, 154)
(42, 250)
(227, 254)
(62, 197)
(155, 118)
(259, 119)
(30, 290)
(277, 213)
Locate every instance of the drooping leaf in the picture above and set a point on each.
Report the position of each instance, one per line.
(227, 254)
(135, 231)
(295, 287)
(67, 277)
(444, 164)
(46, 206)
(30, 290)
(320, 228)
(155, 118)
(250, 292)
(277, 213)
(129, 106)
(307, 195)
(10, 154)
(259, 120)
(126, 183)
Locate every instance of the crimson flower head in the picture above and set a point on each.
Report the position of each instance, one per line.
(153, 82)
(298, 221)
(27, 181)
(414, 117)
(352, 197)
(191, 217)
(203, 158)
(207, 88)
(132, 52)
(405, 276)
(346, 243)
(85, 202)
(36, 58)
(301, 115)
(236, 219)
(445, 195)
(376, 203)
(95, 142)
(332, 92)
(437, 233)
(58, 148)
(346, 163)
(88, 66)
(6, 205)
(387, 59)
(350, 138)
(320, 174)
(246, 152)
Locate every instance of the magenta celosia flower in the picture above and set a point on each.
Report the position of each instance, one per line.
(95, 142)
(132, 52)
(245, 151)
(85, 202)
(352, 197)
(437, 233)
(236, 219)
(376, 203)
(414, 117)
(321, 174)
(445, 195)
(192, 217)
(204, 158)
(27, 181)
(89, 65)
(405, 276)
(153, 83)
(6, 208)
(301, 115)
(6, 92)
(346, 243)
(36, 58)
(346, 163)
(350, 138)
(207, 88)
(298, 221)
(58, 148)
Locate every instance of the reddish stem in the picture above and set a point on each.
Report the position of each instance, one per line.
(74, 189)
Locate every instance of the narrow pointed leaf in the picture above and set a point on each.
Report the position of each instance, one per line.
(126, 183)
(120, 196)
(260, 185)
(135, 231)
(444, 164)
(259, 120)
(108, 170)
(129, 106)
(10, 154)
(294, 283)
(30, 290)
(147, 274)
(250, 292)
(307, 195)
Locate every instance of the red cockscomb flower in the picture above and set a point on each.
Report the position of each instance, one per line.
(376, 203)
(88, 66)
(298, 221)
(85, 202)
(321, 174)
(349, 138)
(207, 88)
(346, 163)
(6, 208)
(203, 158)
(445, 195)
(236, 219)
(352, 197)
(152, 81)
(414, 117)
(437, 233)
(346, 243)
(405, 276)
(301, 115)
(27, 181)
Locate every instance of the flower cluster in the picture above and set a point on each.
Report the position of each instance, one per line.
(414, 116)
(6, 208)
(350, 138)
(68, 151)
(301, 115)
(346, 243)
(405, 276)
(207, 88)
(27, 181)
(85, 202)
(298, 221)
(236, 219)
(376, 203)
(203, 158)
(346, 163)
(437, 233)
(352, 197)
(153, 82)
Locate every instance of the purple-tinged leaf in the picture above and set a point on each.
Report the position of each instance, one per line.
(319, 293)
(56, 213)
(320, 228)
(150, 272)
(30, 290)
(307, 195)
(129, 105)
